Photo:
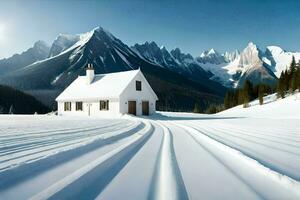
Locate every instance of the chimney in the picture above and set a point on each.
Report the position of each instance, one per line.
(89, 74)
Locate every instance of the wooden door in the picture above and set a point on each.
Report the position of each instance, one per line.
(132, 107)
(145, 107)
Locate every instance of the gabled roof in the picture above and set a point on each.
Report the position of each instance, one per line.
(103, 86)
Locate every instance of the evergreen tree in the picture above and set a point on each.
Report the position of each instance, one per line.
(292, 75)
(293, 65)
(261, 94)
(286, 80)
(294, 80)
(212, 109)
(240, 97)
(247, 90)
(197, 108)
(298, 78)
(246, 100)
(280, 86)
(230, 100)
(227, 100)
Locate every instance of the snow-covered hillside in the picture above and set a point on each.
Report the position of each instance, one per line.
(251, 153)
(272, 108)
(279, 59)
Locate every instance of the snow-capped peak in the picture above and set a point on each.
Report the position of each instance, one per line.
(211, 51)
(211, 56)
(63, 42)
(275, 50)
(250, 56)
(40, 43)
(231, 56)
(99, 29)
(85, 37)
(252, 45)
(66, 42)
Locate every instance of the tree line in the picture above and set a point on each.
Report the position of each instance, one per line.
(13, 101)
(289, 81)
(235, 97)
(211, 108)
(248, 93)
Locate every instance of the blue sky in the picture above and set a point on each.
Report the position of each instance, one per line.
(193, 26)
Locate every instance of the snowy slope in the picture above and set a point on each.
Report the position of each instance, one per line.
(63, 42)
(280, 59)
(240, 153)
(272, 108)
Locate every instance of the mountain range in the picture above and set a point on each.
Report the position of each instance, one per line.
(39, 51)
(254, 64)
(231, 69)
(69, 55)
(179, 79)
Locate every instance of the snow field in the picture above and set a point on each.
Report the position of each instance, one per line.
(60, 189)
(260, 180)
(169, 183)
(235, 154)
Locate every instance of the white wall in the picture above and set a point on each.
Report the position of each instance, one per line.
(91, 108)
(117, 106)
(130, 94)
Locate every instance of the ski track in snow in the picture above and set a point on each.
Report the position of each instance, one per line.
(164, 157)
(167, 182)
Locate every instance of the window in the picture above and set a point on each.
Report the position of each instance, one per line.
(67, 106)
(104, 105)
(138, 85)
(79, 106)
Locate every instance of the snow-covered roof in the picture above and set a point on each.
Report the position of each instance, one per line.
(103, 86)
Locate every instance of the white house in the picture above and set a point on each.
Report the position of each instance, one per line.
(107, 95)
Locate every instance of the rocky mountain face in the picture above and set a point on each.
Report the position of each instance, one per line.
(62, 42)
(211, 56)
(253, 68)
(173, 60)
(278, 59)
(69, 56)
(231, 56)
(39, 51)
(252, 63)
(230, 69)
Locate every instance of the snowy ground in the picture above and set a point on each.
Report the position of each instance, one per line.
(251, 153)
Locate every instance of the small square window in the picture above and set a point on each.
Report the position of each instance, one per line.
(67, 106)
(79, 106)
(138, 85)
(104, 105)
